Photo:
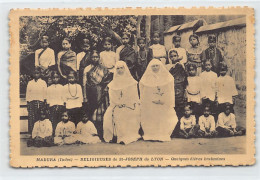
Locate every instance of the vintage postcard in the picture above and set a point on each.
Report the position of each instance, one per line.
(132, 87)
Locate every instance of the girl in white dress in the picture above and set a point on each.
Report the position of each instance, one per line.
(122, 118)
(158, 117)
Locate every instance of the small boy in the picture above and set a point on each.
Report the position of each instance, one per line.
(86, 131)
(64, 130)
(35, 97)
(226, 125)
(42, 132)
(226, 89)
(176, 40)
(213, 54)
(207, 124)
(44, 57)
(188, 127)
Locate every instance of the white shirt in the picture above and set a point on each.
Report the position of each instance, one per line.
(226, 121)
(55, 95)
(208, 80)
(207, 123)
(108, 59)
(193, 89)
(65, 128)
(47, 58)
(79, 58)
(182, 53)
(36, 90)
(187, 122)
(226, 89)
(73, 96)
(42, 128)
(159, 51)
(87, 129)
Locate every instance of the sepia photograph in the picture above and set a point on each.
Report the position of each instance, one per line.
(97, 87)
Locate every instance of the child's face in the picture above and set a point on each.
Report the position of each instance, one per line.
(212, 44)
(156, 38)
(208, 66)
(227, 110)
(37, 74)
(141, 44)
(44, 44)
(192, 71)
(155, 68)
(206, 112)
(49, 81)
(65, 117)
(125, 39)
(187, 111)
(120, 70)
(194, 41)
(107, 46)
(85, 119)
(95, 58)
(177, 43)
(66, 44)
(173, 57)
(85, 47)
(71, 78)
(56, 78)
(223, 72)
(42, 115)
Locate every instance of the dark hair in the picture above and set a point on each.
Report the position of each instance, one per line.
(38, 69)
(107, 39)
(53, 73)
(212, 38)
(141, 39)
(93, 52)
(127, 34)
(74, 73)
(191, 65)
(207, 60)
(194, 36)
(173, 51)
(67, 39)
(46, 38)
(174, 38)
(207, 105)
(227, 104)
(187, 105)
(156, 32)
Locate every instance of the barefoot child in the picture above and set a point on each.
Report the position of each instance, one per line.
(207, 124)
(64, 130)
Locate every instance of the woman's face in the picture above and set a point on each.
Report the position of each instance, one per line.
(95, 58)
(173, 57)
(193, 41)
(120, 70)
(71, 78)
(155, 68)
(107, 46)
(66, 44)
(125, 39)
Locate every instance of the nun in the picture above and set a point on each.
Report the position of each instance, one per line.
(122, 117)
(157, 95)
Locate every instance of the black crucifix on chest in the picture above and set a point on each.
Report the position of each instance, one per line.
(159, 91)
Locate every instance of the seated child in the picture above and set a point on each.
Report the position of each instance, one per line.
(42, 132)
(86, 131)
(226, 125)
(64, 130)
(207, 124)
(188, 127)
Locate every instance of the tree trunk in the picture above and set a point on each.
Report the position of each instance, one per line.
(148, 29)
(138, 26)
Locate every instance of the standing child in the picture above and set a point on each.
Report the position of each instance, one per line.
(226, 89)
(64, 133)
(108, 57)
(188, 127)
(193, 90)
(42, 132)
(207, 124)
(159, 51)
(213, 54)
(209, 79)
(44, 57)
(194, 53)
(144, 56)
(86, 131)
(226, 125)
(67, 59)
(35, 97)
(176, 40)
(73, 98)
(55, 99)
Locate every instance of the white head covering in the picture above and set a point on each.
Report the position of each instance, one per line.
(121, 81)
(160, 78)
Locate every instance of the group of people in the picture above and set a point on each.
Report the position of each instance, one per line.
(130, 94)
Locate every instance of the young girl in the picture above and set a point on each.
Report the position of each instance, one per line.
(194, 53)
(193, 90)
(176, 40)
(122, 118)
(144, 56)
(188, 127)
(86, 131)
(127, 54)
(73, 97)
(42, 131)
(157, 94)
(35, 97)
(64, 133)
(108, 57)
(180, 80)
(159, 51)
(66, 59)
(83, 58)
(55, 99)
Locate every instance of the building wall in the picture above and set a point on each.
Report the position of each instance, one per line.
(168, 40)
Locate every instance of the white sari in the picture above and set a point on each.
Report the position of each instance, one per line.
(158, 117)
(122, 117)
